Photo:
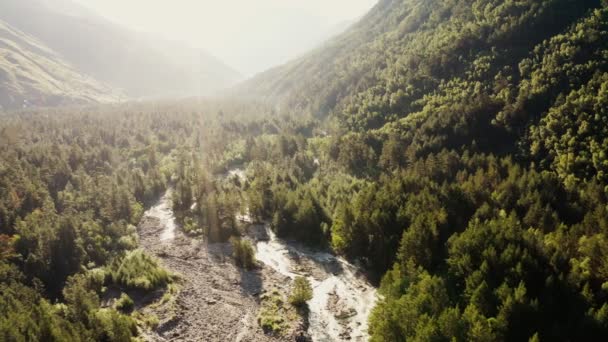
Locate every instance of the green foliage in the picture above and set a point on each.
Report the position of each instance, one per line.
(573, 134)
(137, 270)
(73, 185)
(112, 326)
(298, 215)
(25, 315)
(458, 151)
(202, 205)
(148, 320)
(243, 253)
(422, 313)
(124, 303)
(464, 162)
(272, 317)
(301, 292)
(7, 250)
(403, 50)
(234, 154)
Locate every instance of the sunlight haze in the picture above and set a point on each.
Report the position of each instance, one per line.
(250, 36)
(303, 170)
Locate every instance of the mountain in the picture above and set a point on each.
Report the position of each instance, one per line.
(139, 65)
(403, 50)
(454, 150)
(31, 73)
(465, 160)
(449, 74)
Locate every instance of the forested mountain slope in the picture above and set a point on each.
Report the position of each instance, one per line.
(405, 49)
(464, 154)
(32, 74)
(141, 66)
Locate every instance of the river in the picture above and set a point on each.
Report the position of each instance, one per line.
(342, 298)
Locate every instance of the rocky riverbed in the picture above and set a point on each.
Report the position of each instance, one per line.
(218, 301)
(342, 298)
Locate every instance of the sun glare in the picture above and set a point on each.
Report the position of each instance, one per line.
(249, 35)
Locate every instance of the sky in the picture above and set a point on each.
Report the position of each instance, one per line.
(248, 35)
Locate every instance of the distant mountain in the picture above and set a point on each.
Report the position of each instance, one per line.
(141, 66)
(32, 74)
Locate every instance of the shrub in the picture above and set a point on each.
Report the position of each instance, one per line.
(125, 303)
(110, 325)
(148, 320)
(301, 292)
(137, 270)
(271, 323)
(192, 227)
(271, 317)
(243, 253)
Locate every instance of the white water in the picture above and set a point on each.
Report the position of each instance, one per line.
(163, 211)
(355, 294)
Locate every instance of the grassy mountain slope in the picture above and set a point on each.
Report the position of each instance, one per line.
(30, 73)
(140, 65)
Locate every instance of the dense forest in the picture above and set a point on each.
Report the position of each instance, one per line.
(73, 185)
(464, 154)
(456, 149)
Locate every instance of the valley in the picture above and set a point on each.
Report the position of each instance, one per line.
(436, 172)
(216, 296)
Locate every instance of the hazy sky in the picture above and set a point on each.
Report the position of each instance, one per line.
(249, 35)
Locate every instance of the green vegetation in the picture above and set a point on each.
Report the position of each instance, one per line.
(276, 314)
(73, 183)
(124, 303)
(301, 292)
(138, 271)
(460, 154)
(243, 253)
(273, 315)
(204, 205)
(149, 321)
(456, 149)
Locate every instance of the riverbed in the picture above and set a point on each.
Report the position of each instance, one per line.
(216, 292)
(342, 297)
